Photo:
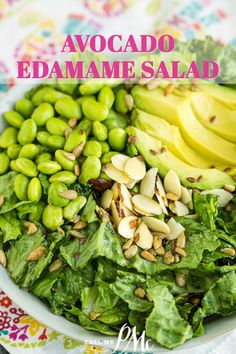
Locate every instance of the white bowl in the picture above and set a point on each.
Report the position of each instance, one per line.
(34, 307)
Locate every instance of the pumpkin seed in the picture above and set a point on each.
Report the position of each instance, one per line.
(175, 229)
(115, 174)
(3, 259)
(143, 237)
(135, 168)
(156, 224)
(172, 184)
(146, 204)
(106, 199)
(224, 196)
(131, 252)
(127, 226)
(37, 254)
(168, 258)
(148, 183)
(119, 161)
(148, 256)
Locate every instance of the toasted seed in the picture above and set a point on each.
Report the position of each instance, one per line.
(76, 219)
(180, 208)
(148, 256)
(159, 235)
(55, 265)
(68, 132)
(143, 237)
(79, 149)
(72, 122)
(177, 259)
(212, 119)
(172, 184)
(185, 195)
(156, 224)
(115, 174)
(181, 240)
(139, 292)
(132, 139)
(146, 204)
(94, 315)
(168, 258)
(229, 251)
(135, 168)
(69, 156)
(37, 254)
(175, 229)
(77, 170)
(1, 200)
(127, 226)
(106, 199)
(3, 259)
(169, 88)
(76, 234)
(229, 188)
(200, 179)
(224, 196)
(119, 161)
(115, 214)
(125, 196)
(160, 251)
(127, 244)
(69, 194)
(131, 252)
(157, 242)
(32, 229)
(152, 251)
(195, 301)
(153, 84)
(148, 183)
(191, 179)
(172, 196)
(180, 280)
(180, 251)
(80, 225)
(228, 207)
(129, 102)
(60, 230)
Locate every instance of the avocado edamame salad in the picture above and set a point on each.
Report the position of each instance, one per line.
(118, 204)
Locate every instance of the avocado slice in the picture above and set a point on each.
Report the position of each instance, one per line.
(156, 155)
(177, 110)
(170, 136)
(215, 116)
(224, 94)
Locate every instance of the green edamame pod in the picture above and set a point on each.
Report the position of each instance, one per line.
(56, 141)
(25, 107)
(26, 166)
(13, 118)
(52, 217)
(54, 196)
(115, 120)
(43, 137)
(4, 163)
(73, 208)
(100, 131)
(66, 164)
(120, 103)
(8, 137)
(30, 151)
(106, 96)
(21, 184)
(27, 132)
(49, 167)
(66, 177)
(90, 88)
(92, 148)
(106, 158)
(74, 139)
(56, 126)
(91, 168)
(94, 110)
(34, 190)
(45, 156)
(117, 139)
(105, 147)
(68, 108)
(42, 113)
(13, 151)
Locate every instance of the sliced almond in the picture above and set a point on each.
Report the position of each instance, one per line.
(3, 259)
(175, 229)
(106, 199)
(171, 196)
(115, 174)
(124, 211)
(69, 156)
(224, 196)
(180, 208)
(185, 195)
(119, 161)
(125, 196)
(148, 183)
(37, 254)
(131, 252)
(115, 191)
(146, 204)
(143, 237)
(131, 184)
(115, 214)
(137, 211)
(79, 149)
(128, 226)
(161, 195)
(135, 168)
(156, 224)
(172, 184)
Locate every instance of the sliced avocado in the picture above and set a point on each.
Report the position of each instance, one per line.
(215, 116)
(224, 94)
(158, 156)
(170, 136)
(177, 110)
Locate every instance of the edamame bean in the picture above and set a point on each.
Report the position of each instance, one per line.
(105, 147)
(13, 166)
(120, 103)
(21, 184)
(90, 88)
(45, 156)
(56, 141)
(52, 217)
(30, 151)
(81, 99)
(26, 166)
(13, 118)
(106, 158)
(115, 120)
(73, 208)
(4, 163)
(27, 132)
(42, 113)
(34, 190)
(13, 151)
(43, 137)
(66, 177)
(91, 168)
(68, 108)
(84, 125)
(69, 86)
(36, 211)
(56, 126)
(25, 107)
(66, 164)
(100, 131)
(51, 96)
(54, 194)
(74, 139)
(94, 110)
(38, 96)
(106, 96)
(49, 167)
(92, 148)
(8, 137)
(117, 139)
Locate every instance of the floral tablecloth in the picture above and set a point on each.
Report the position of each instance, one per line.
(35, 29)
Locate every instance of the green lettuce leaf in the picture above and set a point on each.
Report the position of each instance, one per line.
(10, 226)
(206, 206)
